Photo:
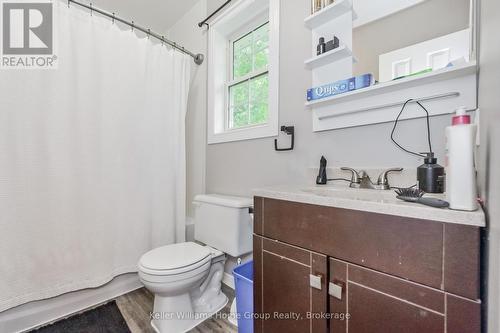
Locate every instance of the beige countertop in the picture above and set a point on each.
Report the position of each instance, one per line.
(382, 202)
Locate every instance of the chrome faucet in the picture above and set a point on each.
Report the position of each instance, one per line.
(360, 179)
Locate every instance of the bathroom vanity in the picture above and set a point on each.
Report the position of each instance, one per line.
(330, 260)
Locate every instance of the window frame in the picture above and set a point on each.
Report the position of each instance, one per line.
(248, 29)
(227, 28)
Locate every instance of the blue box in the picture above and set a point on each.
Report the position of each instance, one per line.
(340, 87)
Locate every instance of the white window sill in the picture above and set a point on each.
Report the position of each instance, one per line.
(249, 133)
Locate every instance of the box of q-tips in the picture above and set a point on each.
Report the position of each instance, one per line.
(340, 87)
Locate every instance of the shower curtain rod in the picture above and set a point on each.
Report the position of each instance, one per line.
(204, 22)
(198, 58)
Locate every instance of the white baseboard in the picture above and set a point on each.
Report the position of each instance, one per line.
(34, 314)
(228, 280)
(233, 314)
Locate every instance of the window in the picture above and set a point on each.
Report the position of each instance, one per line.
(249, 86)
(243, 66)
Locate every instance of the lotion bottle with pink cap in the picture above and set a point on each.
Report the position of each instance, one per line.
(461, 187)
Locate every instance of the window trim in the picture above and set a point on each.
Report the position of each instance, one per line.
(226, 29)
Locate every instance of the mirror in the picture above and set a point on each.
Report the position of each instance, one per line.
(394, 39)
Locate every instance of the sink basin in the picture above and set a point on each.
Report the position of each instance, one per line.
(352, 193)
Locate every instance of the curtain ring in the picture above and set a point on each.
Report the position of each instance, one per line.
(162, 40)
(68, 3)
(91, 9)
(113, 19)
(149, 32)
(132, 26)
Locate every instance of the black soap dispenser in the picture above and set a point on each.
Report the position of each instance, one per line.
(322, 178)
(430, 175)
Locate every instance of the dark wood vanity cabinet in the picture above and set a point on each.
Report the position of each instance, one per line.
(324, 269)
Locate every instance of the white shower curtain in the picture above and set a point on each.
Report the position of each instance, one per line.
(92, 159)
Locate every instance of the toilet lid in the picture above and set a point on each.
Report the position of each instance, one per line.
(174, 256)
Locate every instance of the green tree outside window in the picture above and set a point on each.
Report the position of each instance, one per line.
(248, 98)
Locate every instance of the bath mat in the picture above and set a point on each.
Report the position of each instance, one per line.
(104, 319)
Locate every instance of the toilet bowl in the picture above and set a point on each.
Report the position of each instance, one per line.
(186, 281)
(186, 277)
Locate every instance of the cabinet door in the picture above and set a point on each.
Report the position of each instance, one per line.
(376, 302)
(372, 311)
(284, 298)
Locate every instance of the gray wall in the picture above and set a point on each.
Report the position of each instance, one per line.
(186, 32)
(411, 26)
(489, 103)
(238, 167)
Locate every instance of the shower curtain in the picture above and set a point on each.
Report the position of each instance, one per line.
(92, 159)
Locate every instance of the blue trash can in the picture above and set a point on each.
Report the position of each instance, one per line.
(243, 281)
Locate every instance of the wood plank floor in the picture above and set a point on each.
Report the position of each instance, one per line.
(136, 307)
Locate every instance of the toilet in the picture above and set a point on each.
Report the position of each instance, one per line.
(186, 278)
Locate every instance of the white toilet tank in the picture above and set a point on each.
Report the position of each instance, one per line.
(224, 222)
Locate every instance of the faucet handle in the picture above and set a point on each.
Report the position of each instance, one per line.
(383, 180)
(354, 176)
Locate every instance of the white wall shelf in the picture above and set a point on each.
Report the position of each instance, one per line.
(409, 82)
(326, 58)
(329, 13)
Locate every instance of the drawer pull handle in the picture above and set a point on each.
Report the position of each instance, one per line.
(315, 281)
(335, 290)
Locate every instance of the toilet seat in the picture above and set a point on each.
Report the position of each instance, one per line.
(175, 259)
